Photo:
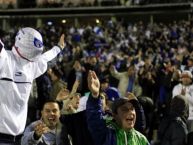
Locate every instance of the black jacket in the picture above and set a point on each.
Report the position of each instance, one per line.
(173, 129)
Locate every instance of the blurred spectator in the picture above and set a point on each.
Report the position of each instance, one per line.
(111, 92)
(173, 129)
(91, 63)
(49, 3)
(58, 84)
(8, 4)
(147, 78)
(27, 4)
(127, 81)
(76, 73)
(189, 65)
(185, 88)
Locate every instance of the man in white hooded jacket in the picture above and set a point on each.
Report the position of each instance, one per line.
(18, 68)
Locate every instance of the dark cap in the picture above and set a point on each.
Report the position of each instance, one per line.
(121, 101)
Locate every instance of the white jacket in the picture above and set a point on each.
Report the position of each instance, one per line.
(16, 77)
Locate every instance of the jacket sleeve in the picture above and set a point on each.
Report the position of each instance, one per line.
(117, 74)
(172, 132)
(51, 54)
(3, 54)
(96, 123)
(28, 136)
(179, 133)
(41, 64)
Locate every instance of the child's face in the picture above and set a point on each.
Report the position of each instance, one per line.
(125, 116)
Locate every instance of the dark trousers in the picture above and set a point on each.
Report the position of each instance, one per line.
(9, 144)
(6, 139)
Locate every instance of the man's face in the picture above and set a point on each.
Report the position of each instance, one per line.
(75, 100)
(186, 81)
(190, 63)
(126, 116)
(50, 114)
(104, 86)
(93, 61)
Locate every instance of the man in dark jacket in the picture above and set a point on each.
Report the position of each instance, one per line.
(173, 129)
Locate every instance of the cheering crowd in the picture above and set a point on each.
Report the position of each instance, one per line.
(144, 70)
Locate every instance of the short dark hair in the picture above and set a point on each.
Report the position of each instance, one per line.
(60, 103)
(104, 80)
(57, 71)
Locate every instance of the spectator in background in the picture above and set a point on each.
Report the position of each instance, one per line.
(90, 64)
(55, 75)
(49, 3)
(185, 88)
(173, 128)
(108, 96)
(176, 78)
(46, 131)
(128, 81)
(111, 92)
(76, 73)
(44, 86)
(164, 74)
(118, 131)
(189, 65)
(146, 75)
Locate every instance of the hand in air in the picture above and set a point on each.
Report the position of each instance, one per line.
(93, 83)
(40, 129)
(61, 42)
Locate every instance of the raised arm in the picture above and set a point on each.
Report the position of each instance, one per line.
(52, 53)
(96, 123)
(93, 84)
(114, 72)
(41, 64)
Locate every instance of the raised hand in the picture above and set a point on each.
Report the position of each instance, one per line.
(40, 129)
(75, 87)
(73, 103)
(63, 94)
(93, 83)
(61, 42)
